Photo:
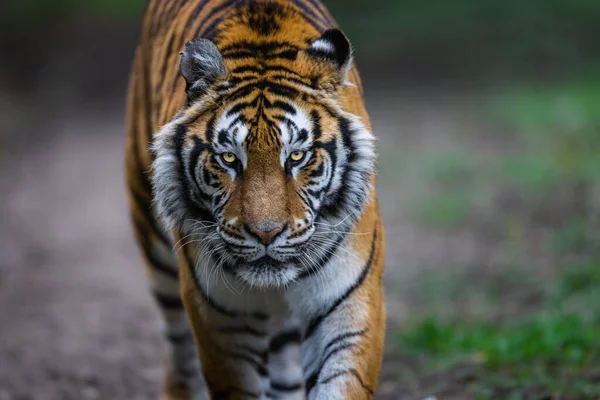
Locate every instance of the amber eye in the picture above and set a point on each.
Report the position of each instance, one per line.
(297, 156)
(229, 158)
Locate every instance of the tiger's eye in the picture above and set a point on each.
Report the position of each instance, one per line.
(229, 158)
(297, 156)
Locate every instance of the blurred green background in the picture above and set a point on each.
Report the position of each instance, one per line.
(488, 118)
(462, 38)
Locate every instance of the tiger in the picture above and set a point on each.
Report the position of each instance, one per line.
(250, 172)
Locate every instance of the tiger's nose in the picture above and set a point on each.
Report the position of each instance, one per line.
(266, 232)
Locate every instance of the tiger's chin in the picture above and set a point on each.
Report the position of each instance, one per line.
(267, 273)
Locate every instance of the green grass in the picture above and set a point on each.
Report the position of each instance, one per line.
(556, 350)
(573, 237)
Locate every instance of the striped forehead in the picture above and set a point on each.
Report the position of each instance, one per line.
(285, 128)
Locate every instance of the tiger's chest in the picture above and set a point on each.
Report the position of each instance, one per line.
(275, 309)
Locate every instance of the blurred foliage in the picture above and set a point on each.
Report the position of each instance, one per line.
(531, 36)
(448, 37)
(44, 12)
(449, 210)
(558, 127)
(555, 135)
(532, 335)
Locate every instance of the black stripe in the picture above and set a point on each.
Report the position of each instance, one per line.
(292, 79)
(234, 393)
(307, 198)
(319, 6)
(302, 135)
(156, 263)
(168, 302)
(207, 299)
(260, 369)
(211, 31)
(236, 80)
(286, 387)
(343, 336)
(315, 322)
(295, 235)
(149, 10)
(187, 371)
(142, 176)
(325, 258)
(262, 48)
(193, 207)
(247, 68)
(318, 172)
(316, 124)
(210, 130)
(174, 8)
(165, 63)
(218, 308)
(315, 375)
(282, 90)
(262, 355)
(212, 13)
(241, 91)
(242, 330)
(341, 201)
(240, 54)
(290, 54)
(309, 15)
(263, 69)
(192, 18)
(179, 338)
(331, 148)
(237, 108)
(198, 148)
(238, 246)
(311, 382)
(282, 105)
(283, 339)
(144, 207)
(344, 126)
(353, 372)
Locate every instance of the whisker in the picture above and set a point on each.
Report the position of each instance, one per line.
(342, 232)
(334, 225)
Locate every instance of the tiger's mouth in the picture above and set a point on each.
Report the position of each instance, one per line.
(267, 272)
(264, 262)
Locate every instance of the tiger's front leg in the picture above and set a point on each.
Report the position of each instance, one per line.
(233, 347)
(343, 345)
(348, 356)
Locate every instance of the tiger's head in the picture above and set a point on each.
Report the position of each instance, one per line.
(262, 166)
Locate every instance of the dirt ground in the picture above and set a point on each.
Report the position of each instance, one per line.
(76, 320)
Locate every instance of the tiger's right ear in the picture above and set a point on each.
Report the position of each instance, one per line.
(201, 64)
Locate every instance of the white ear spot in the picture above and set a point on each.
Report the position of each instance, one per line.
(323, 45)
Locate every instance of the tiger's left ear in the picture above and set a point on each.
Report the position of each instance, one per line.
(201, 64)
(334, 47)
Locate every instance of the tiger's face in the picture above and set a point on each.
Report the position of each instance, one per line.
(268, 174)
